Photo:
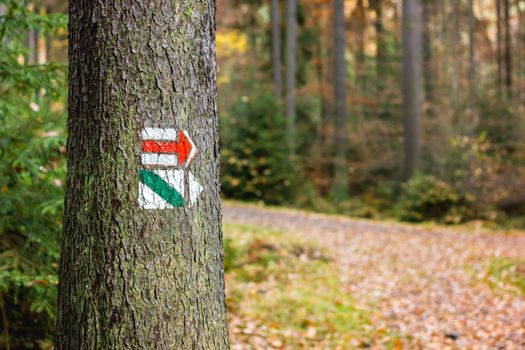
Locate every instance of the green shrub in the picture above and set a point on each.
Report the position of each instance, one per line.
(32, 168)
(472, 163)
(255, 164)
(425, 197)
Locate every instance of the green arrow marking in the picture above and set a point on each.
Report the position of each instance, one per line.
(161, 187)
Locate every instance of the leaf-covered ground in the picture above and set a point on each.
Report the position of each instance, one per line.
(284, 292)
(311, 281)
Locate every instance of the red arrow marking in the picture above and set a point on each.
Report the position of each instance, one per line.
(182, 147)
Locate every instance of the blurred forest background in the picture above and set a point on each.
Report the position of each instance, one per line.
(470, 87)
(322, 106)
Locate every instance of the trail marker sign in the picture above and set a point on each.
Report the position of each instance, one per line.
(168, 147)
(164, 182)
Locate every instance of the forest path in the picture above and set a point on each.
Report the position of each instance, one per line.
(425, 283)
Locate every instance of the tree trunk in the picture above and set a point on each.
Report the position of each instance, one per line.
(340, 186)
(359, 28)
(132, 277)
(520, 71)
(499, 56)
(291, 67)
(429, 80)
(471, 61)
(276, 45)
(520, 47)
(508, 50)
(411, 85)
(32, 40)
(42, 45)
(377, 6)
(320, 152)
(456, 54)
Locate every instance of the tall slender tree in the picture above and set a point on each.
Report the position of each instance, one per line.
(32, 40)
(411, 85)
(320, 151)
(456, 53)
(520, 48)
(142, 264)
(471, 56)
(508, 49)
(276, 49)
(340, 186)
(499, 49)
(428, 72)
(377, 6)
(291, 68)
(359, 25)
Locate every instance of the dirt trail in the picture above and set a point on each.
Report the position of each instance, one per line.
(421, 282)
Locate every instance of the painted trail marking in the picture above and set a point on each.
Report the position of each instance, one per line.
(168, 147)
(166, 188)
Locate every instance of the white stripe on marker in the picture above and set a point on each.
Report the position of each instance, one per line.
(159, 159)
(150, 200)
(193, 151)
(195, 188)
(159, 134)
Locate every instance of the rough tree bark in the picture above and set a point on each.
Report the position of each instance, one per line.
(276, 46)
(291, 68)
(133, 278)
(340, 186)
(411, 85)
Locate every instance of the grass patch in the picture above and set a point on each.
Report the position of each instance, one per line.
(285, 293)
(506, 273)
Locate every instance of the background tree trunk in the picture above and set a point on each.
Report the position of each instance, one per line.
(291, 68)
(411, 85)
(499, 50)
(340, 186)
(377, 6)
(520, 47)
(42, 45)
(32, 39)
(428, 8)
(455, 78)
(508, 50)
(321, 151)
(359, 25)
(276, 46)
(132, 278)
(472, 100)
